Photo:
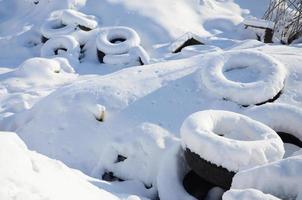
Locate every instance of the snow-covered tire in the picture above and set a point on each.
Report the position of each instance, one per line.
(283, 118)
(54, 27)
(281, 178)
(244, 142)
(247, 194)
(271, 80)
(106, 37)
(134, 54)
(75, 18)
(68, 43)
(171, 173)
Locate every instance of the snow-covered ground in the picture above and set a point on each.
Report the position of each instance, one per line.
(126, 119)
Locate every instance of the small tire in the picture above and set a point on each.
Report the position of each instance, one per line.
(68, 43)
(107, 36)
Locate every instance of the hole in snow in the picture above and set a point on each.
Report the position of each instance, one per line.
(120, 158)
(109, 176)
(242, 74)
(58, 26)
(117, 40)
(84, 28)
(56, 51)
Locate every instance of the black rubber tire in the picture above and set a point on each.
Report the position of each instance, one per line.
(268, 101)
(101, 56)
(212, 173)
(44, 39)
(289, 138)
(196, 186)
(189, 42)
(84, 28)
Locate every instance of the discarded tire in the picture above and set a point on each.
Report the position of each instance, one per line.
(81, 20)
(226, 143)
(269, 77)
(61, 45)
(120, 45)
(217, 176)
(65, 23)
(283, 118)
(54, 27)
(196, 186)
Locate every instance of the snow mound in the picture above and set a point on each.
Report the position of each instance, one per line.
(142, 149)
(281, 178)
(172, 170)
(32, 176)
(270, 76)
(33, 79)
(230, 140)
(247, 194)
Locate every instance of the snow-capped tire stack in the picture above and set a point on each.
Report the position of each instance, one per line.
(218, 144)
(66, 22)
(268, 87)
(120, 45)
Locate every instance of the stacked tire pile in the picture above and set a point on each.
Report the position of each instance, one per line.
(66, 32)
(253, 155)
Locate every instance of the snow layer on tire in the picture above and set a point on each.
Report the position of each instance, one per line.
(280, 117)
(56, 43)
(76, 18)
(245, 143)
(172, 170)
(107, 34)
(247, 194)
(53, 27)
(281, 178)
(271, 76)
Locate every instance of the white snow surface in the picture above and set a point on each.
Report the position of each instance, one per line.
(281, 178)
(31, 176)
(230, 140)
(84, 114)
(247, 194)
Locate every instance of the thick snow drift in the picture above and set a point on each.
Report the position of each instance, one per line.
(281, 178)
(31, 176)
